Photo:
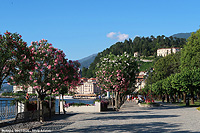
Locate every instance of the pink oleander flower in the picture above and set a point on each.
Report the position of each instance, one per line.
(49, 66)
(45, 64)
(48, 84)
(31, 73)
(19, 71)
(53, 78)
(35, 81)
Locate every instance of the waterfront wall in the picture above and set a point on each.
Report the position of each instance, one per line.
(23, 108)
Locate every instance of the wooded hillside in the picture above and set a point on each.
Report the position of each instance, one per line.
(146, 46)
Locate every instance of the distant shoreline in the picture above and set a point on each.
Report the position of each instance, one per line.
(7, 97)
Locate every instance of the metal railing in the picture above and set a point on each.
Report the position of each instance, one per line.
(7, 110)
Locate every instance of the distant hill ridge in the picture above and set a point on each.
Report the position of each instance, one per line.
(85, 62)
(182, 35)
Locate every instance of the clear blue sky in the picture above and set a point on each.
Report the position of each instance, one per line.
(84, 27)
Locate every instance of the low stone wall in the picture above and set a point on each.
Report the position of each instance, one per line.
(83, 108)
(23, 108)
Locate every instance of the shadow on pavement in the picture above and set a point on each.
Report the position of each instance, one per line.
(120, 112)
(140, 127)
(168, 106)
(106, 118)
(59, 116)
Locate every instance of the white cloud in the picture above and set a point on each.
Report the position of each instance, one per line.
(122, 37)
(118, 36)
(111, 35)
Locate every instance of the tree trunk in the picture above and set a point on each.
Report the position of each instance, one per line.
(163, 98)
(41, 110)
(184, 97)
(59, 105)
(192, 97)
(38, 108)
(167, 98)
(179, 97)
(160, 96)
(175, 98)
(112, 100)
(63, 105)
(119, 101)
(116, 100)
(50, 107)
(198, 95)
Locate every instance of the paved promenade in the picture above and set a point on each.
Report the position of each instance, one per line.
(130, 118)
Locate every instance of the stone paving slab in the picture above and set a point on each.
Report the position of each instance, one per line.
(130, 118)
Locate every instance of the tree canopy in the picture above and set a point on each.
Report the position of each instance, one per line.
(190, 54)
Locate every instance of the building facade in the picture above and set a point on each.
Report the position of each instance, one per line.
(136, 54)
(166, 51)
(30, 89)
(88, 86)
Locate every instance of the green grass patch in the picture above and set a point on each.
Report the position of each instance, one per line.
(198, 108)
(145, 65)
(196, 104)
(149, 58)
(150, 103)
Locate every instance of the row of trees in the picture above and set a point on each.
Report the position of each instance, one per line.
(40, 66)
(116, 74)
(146, 46)
(185, 82)
(178, 73)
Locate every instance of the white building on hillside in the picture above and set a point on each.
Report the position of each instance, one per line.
(166, 51)
(136, 54)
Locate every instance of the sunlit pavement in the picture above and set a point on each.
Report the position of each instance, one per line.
(130, 118)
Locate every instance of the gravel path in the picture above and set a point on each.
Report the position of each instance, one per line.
(130, 118)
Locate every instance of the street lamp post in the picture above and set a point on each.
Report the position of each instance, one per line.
(151, 70)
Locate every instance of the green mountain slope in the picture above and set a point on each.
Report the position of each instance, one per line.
(146, 46)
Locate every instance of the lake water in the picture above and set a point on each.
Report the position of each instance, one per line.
(3, 101)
